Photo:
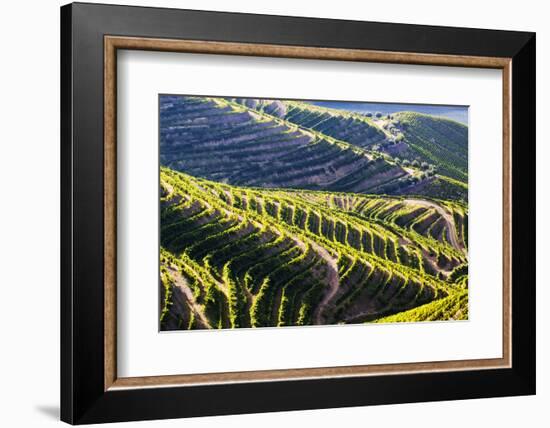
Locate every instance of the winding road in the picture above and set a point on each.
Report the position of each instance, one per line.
(449, 220)
(333, 280)
(183, 288)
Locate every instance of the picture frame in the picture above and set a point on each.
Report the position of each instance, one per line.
(91, 390)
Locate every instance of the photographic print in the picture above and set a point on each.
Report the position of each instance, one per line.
(280, 213)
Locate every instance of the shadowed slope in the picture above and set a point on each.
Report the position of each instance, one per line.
(267, 143)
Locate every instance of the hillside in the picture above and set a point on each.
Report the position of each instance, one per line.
(408, 135)
(454, 307)
(286, 144)
(250, 257)
(435, 140)
(346, 126)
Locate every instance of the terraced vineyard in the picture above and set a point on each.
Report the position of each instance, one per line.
(242, 257)
(287, 144)
(435, 140)
(281, 213)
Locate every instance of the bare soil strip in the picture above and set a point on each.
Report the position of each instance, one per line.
(449, 220)
(182, 286)
(333, 281)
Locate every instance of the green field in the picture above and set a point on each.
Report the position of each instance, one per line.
(280, 213)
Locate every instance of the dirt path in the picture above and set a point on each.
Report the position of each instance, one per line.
(449, 220)
(332, 278)
(171, 198)
(182, 286)
(379, 123)
(168, 187)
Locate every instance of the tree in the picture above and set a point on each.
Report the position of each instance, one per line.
(368, 114)
(406, 162)
(397, 160)
(415, 163)
(424, 165)
(378, 114)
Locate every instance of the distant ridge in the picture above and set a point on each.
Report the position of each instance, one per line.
(456, 113)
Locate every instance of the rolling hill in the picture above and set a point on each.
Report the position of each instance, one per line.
(295, 145)
(409, 135)
(235, 256)
(436, 140)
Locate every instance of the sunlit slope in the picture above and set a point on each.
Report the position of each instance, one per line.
(242, 257)
(435, 140)
(452, 307)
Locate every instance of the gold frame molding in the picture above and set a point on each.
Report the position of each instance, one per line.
(113, 43)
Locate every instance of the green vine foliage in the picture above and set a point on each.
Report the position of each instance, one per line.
(241, 257)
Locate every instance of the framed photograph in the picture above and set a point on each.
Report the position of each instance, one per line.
(266, 213)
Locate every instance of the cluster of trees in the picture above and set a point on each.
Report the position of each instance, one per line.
(378, 115)
(389, 142)
(429, 169)
(439, 141)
